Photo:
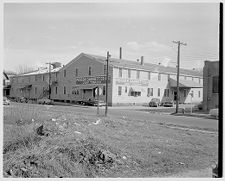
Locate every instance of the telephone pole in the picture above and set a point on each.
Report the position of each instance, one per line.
(107, 75)
(178, 72)
(49, 80)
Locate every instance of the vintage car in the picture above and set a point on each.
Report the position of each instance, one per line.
(155, 102)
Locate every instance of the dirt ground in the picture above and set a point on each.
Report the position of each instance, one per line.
(80, 145)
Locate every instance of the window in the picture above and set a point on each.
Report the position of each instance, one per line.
(120, 72)
(43, 77)
(64, 72)
(159, 77)
(119, 90)
(166, 92)
(76, 72)
(105, 69)
(89, 70)
(185, 78)
(192, 92)
(103, 91)
(158, 92)
(192, 78)
(199, 93)
(64, 90)
(35, 90)
(35, 77)
(135, 93)
(215, 85)
(43, 89)
(149, 75)
(185, 93)
(138, 74)
(129, 73)
(126, 89)
(150, 92)
(56, 90)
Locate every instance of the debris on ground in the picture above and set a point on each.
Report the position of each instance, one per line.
(97, 122)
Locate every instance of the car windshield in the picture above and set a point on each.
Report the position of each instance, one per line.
(154, 100)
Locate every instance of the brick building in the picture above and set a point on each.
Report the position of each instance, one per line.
(210, 85)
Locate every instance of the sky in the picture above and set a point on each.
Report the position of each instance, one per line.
(37, 33)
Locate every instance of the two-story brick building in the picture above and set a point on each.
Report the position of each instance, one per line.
(130, 82)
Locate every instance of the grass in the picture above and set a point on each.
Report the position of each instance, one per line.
(81, 145)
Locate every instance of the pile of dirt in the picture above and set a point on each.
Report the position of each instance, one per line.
(61, 156)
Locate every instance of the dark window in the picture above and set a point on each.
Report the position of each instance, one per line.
(129, 73)
(135, 93)
(158, 92)
(120, 72)
(119, 90)
(138, 74)
(76, 72)
(103, 91)
(89, 70)
(166, 92)
(215, 85)
(35, 90)
(126, 89)
(151, 91)
(149, 75)
(64, 73)
(185, 93)
(148, 92)
(199, 93)
(43, 77)
(56, 90)
(64, 90)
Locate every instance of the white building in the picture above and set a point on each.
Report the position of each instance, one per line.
(130, 82)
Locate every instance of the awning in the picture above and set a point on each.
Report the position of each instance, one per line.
(184, 83)
(85, 87)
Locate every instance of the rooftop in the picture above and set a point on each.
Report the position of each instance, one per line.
(147, 66)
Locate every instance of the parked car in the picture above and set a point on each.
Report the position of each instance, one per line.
(214, 113)
(155, 102)
(6, 101)
(23, 100)
(93, 103)
(44, 101)
(168, 104)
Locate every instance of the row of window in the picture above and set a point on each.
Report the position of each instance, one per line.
(138, 93)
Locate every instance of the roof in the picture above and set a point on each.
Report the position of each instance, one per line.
(184, 83)
(147, 66)
(41, 71)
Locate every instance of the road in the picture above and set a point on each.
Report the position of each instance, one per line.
(131, 113)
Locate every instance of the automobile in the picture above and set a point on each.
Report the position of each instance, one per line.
(155, 102)
(23, 100)
(168, 104)
(214, 113)
(93, 103)
(200, 106)
(6, 101)
(44, 101)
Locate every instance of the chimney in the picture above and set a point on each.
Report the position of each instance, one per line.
(142, 60)
(120, 52)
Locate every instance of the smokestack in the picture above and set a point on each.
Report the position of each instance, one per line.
(120, 52)
(142, 60)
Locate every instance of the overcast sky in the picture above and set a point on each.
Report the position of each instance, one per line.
(38, 33)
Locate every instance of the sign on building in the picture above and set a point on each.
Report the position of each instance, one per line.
(92, 80)
(132, 82)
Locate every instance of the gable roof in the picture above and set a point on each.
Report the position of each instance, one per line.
(147, 66)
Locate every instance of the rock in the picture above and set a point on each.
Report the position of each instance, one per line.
(40, 130)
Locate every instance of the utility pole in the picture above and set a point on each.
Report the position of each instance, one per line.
(107, 75)
(49, 80)
(178, 72)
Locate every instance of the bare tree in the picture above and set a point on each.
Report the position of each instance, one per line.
(24, 69)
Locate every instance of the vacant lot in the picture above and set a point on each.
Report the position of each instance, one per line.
(79, 144)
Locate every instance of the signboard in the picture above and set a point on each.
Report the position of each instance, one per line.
(132, 82)
(92, 80)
